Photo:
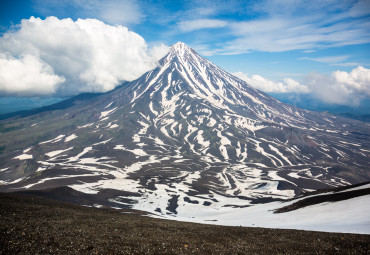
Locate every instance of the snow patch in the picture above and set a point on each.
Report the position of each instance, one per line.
(57, 152)
(23, 157)
(55, 140)
(106, 113)
(70, 138)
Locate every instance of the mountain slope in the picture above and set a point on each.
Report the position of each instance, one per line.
(186, 135)
(30, 225)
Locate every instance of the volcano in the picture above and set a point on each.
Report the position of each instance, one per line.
(185, 136)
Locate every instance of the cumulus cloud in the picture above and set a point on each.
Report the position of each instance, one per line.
(27, 76)
(87, 54)
(287, 85)
(191, 25)
(341, 87)
(158, 51)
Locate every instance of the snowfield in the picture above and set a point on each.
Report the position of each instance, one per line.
(348, 216)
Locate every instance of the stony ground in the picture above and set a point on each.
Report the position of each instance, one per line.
(30, 225)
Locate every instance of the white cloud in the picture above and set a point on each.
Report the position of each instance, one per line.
(278, 34)
(358, 79)
(27, 75)
(278, 26)
(332, 60)
(341, 87)
(361, 8)
(158, 51)
(328, 59)
(347, 64)
(287, 85)
(113, 12)
(119, 12)
(90, 55)
(191, 25)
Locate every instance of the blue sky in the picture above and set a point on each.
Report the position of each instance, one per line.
(319, 49)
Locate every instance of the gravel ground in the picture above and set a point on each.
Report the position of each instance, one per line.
(31, 225)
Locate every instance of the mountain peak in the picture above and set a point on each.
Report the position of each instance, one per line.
(179, 45)
(180, 49)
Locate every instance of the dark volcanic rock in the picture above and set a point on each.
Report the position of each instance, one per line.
(30, 225)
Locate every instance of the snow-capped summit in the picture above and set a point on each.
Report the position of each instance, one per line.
(180, 52)
(180, 48)
(185, 73)
(184, 137)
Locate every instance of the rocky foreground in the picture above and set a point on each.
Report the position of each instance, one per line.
(32, 225)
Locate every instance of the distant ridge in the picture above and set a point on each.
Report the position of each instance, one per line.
(57, 106)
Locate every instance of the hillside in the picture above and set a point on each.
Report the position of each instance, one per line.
(31, 225)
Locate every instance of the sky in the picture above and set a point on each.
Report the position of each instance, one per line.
(311, 53)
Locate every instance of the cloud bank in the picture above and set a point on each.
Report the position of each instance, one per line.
(65, 57)
(287, 85)
(27, 76)
(347, 88)
(339, 87)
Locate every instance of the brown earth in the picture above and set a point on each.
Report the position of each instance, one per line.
(31, 225)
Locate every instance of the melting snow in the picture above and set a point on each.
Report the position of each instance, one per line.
(119, 147)
(106, 113)
(102, 142)
(56, 139)
(70, 138)
(108, 105)
(23, 157)
(84, 126)
(347, 216)
(54, 153)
